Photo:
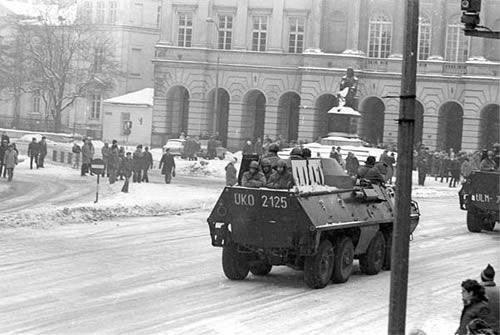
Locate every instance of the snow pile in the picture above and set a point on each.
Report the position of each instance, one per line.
(142, 200)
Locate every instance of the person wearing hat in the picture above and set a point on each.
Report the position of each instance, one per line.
(488, 163)
(231, 174)
(492, 291)
(267, 169)
(253, 177)
(281, 178)
(272, 154)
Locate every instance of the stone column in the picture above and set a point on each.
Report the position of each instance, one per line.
(363, 26)
(353, 25)
(314, 34)
(167, 24)
(397, 31)
(438, 38)
(307, 120)
(271, 120)
(276, 26)
(240, 23)
(200, 25)
(197, 110)
(234, 134)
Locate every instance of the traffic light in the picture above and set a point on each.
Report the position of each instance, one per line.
(470, 13)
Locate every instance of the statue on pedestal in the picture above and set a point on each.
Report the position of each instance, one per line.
(348, 89)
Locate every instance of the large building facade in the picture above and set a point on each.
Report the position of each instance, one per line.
(132, 28)
(279, 64)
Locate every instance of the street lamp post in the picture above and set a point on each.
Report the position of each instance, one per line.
(216, 98)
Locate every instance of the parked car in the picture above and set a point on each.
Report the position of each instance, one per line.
(176, 146)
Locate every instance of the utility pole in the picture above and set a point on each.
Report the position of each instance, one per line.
(406, 128)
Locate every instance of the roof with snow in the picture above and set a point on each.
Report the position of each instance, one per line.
(141, 97)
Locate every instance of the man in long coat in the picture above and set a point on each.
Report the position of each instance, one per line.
(87, 156)
(167, 166)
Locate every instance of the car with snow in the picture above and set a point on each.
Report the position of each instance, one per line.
(323, 149)
(320, 225)
(480, 197)
(175, 146)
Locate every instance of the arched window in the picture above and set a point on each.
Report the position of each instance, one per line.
(457, 44)
(380, 34)
(424, 37)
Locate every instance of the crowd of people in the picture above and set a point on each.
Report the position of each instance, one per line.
(192, 145)
(451, 167)
(37, 151)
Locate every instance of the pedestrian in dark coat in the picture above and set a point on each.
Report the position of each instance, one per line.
(33, 152)
(3, 149)
(113, 162)
(87, 156)
(5, 137)
(43, 152)
(167, 166)
(147, 164)
(455, 172)
(10, 161)
(231, 178)
(77, 150)
(422, 165)
(492, 292)
(128, 168)
(138, 159)
(212, 148)
(475, 304)
(121, 155)
(105, 151)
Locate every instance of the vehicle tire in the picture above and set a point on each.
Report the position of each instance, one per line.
(344, 257)
(388, 250)
(489, 224)
(234, 263)
(318, 268)
(261, 268)
(473, 222)
(372, 261)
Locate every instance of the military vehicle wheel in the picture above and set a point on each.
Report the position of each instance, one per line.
(372, 261)
(490, 225)
(473, 222)
(234, 263)
(344, 257)
(261, 268)
(318, 268)
(388, 248)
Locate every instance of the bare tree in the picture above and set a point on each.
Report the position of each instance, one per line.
(62, 60)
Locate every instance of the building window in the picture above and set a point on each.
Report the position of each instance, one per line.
(158, 16)
(185, 29)
(259, 33)
(99, 12)
(225, 31)
(424, 38)
(98, 59)
(112, 12)
(95, 106)
(87, 11)
(296, 38)
(457, 44)
(380, 33)
(36, 102)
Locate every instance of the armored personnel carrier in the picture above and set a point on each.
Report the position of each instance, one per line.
(320, 226)
(480, 197)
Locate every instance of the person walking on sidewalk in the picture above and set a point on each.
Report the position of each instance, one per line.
(77, 150)
(114, 162)
(147, 164)
(105, 151)
(10, 161)
(87, 156)
(138, 160)
(167, 166)
(128, 167)
(33, 152)
(3, 149)
(43, 152)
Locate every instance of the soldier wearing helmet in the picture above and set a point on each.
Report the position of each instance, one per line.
(296, 154)
(267, 169)
(253, 177)
(272, 154)
(281, 178)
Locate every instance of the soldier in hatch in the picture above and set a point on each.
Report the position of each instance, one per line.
(281, 178)
(267, 170)
(253, 177)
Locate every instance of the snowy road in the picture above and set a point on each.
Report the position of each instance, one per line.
(160, 275)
